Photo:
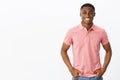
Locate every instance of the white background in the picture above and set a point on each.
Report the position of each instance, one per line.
(32, 32)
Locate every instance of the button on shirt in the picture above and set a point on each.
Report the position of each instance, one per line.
(85, 48)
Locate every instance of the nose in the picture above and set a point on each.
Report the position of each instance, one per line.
(87, 15)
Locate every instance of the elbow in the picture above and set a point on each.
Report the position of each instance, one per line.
(63, 52)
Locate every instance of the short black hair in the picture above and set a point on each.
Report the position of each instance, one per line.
(88, 5)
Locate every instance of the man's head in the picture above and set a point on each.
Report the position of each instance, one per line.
(87, 13)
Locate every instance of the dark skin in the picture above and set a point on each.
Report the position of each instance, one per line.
(87, 14)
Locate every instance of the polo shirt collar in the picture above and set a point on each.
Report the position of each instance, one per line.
(92, 28)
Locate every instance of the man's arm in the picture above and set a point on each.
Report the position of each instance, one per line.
(74, 72)
(108, 55)
(107, 59)
(65, 56)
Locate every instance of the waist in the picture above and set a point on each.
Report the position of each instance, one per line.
(87, 71)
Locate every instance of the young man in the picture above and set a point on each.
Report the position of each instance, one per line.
(85, 39)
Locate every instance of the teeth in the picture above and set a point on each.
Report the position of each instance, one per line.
(87, 19)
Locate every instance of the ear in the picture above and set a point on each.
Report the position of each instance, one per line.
(80, 13)
(94, 14)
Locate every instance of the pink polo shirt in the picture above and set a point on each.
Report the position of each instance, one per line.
(85, 48)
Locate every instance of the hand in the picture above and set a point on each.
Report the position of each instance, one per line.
(74, 72)
(99, 72)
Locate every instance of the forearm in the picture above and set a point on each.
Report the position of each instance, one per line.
(107, 59)
(74, 72)
(66, 59)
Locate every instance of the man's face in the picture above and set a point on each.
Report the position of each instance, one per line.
(87, 14)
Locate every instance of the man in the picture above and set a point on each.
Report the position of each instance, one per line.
(85, 39)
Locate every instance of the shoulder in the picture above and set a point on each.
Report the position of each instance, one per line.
(98, 28)
(100, 31)
(73, 29)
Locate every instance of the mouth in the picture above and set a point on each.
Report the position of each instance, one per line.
(87, 19)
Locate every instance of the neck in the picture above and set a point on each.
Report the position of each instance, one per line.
(87, 26)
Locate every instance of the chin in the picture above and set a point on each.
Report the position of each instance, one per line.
(87, 22)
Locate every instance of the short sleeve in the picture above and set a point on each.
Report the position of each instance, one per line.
(68, 38)
(104, 38)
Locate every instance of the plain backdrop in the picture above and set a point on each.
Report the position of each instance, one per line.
(32, 32)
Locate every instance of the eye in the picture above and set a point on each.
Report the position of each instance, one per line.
(87, 12)
(84, 12)
(91, 13)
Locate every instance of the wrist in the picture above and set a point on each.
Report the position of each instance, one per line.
(104, 69)
(70, 68)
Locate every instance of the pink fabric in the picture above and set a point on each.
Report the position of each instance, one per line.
(85, 48)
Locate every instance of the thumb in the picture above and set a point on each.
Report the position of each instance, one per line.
(78, 71)
(96, 71)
